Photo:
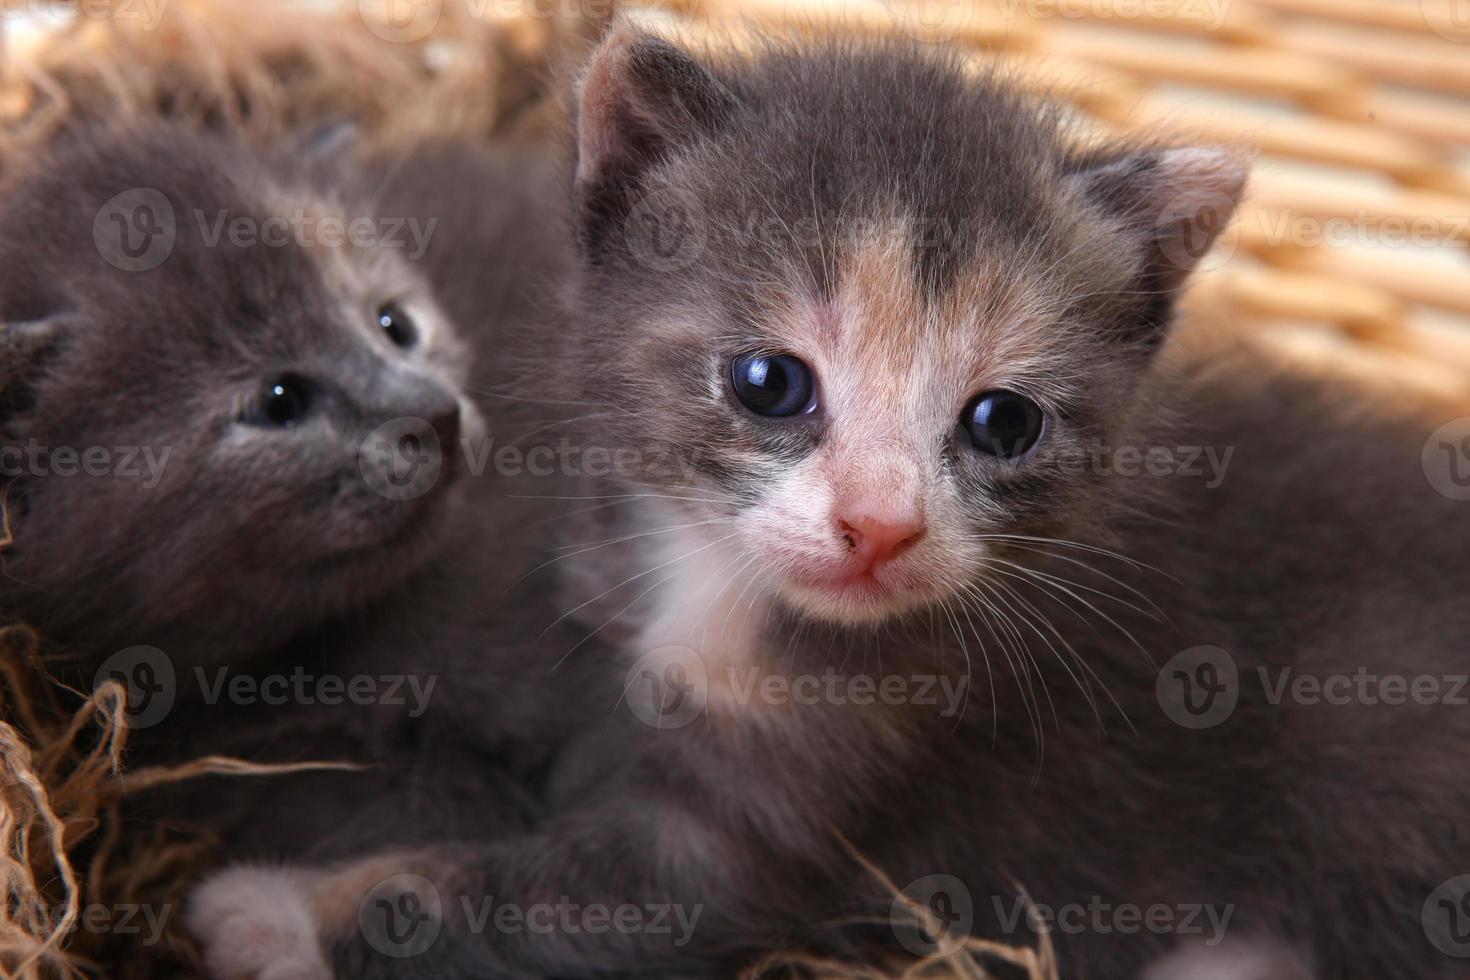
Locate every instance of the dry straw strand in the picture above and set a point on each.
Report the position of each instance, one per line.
(957, 957)
(63, 781)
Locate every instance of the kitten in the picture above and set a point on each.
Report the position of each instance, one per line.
(881, 343)
(231, 386)
(233, 436)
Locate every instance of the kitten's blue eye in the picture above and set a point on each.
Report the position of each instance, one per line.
(398, 325)
(1002, 423)
(285, 401)
(774, 385)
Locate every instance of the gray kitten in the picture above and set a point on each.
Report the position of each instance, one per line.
(231, 385)
(877, 344)
(233, 442)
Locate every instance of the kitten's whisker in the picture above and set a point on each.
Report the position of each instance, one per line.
(612, 541)
(543, 425)
(728, 499)
(725, 628)
(614, 496)
(593, 545)
(1076, 657)
(1040, 617)
(729, 580)
(990, 675)
(630, 579)
(1081, 546)
(578, 512)
(491, 393)
(1023, 652)
(1080, 681)
(1055, 595)
(1048, 586)
(612, 619)
(1061, 582)
(1096, 571)
(1033, 714)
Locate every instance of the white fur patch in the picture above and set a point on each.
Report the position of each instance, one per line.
(257, 923)
(713, 607)
(1233, 959)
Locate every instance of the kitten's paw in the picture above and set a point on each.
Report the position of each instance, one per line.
(258, 924)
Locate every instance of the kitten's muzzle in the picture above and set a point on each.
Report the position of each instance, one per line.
(426, 412)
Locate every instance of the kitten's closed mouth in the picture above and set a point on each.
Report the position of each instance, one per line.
(862, 586)
(858, 597)
(860, 582)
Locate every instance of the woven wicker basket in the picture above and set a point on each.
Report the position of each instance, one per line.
(1358, 218)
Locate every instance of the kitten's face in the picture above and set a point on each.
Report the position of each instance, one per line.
(899, 332)
(927, 427)
(231, 398)
(870, 448)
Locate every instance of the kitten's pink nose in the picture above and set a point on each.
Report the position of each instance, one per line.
(876, 537)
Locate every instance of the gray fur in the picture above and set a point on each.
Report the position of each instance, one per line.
(1063, 775)
(1088, 789)
(251, 551)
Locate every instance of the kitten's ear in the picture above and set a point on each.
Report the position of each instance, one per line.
(639, 98)
(1171, 204)
(24, 346)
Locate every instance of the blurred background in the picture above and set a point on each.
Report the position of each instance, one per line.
(1358, 221)
(1359, 214)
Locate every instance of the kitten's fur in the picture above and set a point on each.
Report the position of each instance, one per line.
(255, 550)
(250, 530)
(1324, 828)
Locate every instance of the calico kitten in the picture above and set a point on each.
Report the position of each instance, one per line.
(880, 342)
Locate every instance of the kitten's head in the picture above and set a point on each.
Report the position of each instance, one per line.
(877, 307)
(199, 351)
